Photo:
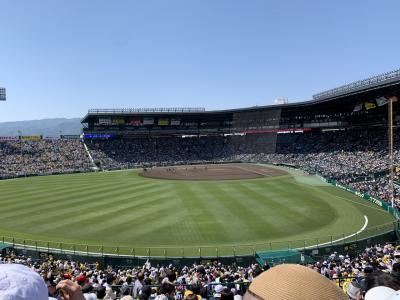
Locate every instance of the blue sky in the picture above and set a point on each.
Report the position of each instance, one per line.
(59, 58)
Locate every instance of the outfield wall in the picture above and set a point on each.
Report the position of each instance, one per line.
(351, 246)
(315, 249)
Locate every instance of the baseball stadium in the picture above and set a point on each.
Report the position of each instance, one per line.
(199, 150)
(290, 182)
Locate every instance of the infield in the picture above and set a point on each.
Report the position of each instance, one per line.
(122, 209)
(212, 172)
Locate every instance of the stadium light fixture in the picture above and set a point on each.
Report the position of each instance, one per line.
(2, 94)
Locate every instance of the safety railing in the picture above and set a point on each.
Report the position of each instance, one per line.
(199, 251)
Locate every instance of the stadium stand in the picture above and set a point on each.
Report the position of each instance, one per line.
(355, 157)
(211, 279)
(42, 157)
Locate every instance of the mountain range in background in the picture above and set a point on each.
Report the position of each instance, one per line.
(45, 127)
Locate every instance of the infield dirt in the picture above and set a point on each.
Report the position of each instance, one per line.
(212, 172)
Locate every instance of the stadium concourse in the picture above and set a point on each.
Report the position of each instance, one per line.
(375, 266)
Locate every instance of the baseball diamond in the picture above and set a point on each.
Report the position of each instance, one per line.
(125, 209)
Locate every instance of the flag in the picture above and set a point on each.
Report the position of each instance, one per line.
(393, 98)
(358, 107)
(381, 101)
(369, 105)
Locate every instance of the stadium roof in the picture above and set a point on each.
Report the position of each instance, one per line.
(359, 87)
(380, 80)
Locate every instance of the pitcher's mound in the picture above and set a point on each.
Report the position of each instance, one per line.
(212, 172)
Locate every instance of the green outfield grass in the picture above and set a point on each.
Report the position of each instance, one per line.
(122, 209)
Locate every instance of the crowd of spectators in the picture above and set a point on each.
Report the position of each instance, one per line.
(146, 280)
(51, 156)
(357, 158)
(129, 153)
(374, 266)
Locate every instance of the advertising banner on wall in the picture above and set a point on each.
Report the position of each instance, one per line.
(104, 121)
(148, 121)
(135, 122)
(99, 136)
(163, 122)
(30, 137)
(175, 122)
(69, 136)
(118, 121)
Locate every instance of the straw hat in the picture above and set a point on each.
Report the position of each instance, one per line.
(293, 282)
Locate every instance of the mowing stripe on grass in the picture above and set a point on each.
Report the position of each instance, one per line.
(123, 209)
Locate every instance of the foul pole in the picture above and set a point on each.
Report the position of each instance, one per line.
(390, 139)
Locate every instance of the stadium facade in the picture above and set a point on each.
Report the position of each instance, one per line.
(359, 104)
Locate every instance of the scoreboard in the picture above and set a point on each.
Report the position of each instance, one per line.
(2, 94)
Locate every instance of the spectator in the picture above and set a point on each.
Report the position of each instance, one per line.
(293, 282)
(20, 282)
(24, 158)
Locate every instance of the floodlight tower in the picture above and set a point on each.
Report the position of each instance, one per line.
(2, 94)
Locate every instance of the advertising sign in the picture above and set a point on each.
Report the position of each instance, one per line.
(163, 122)
(175, 122)
(148, 121)
(104, 121)
(30, 137)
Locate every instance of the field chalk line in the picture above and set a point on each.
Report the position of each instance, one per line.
(341, 239)
(130, 256)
